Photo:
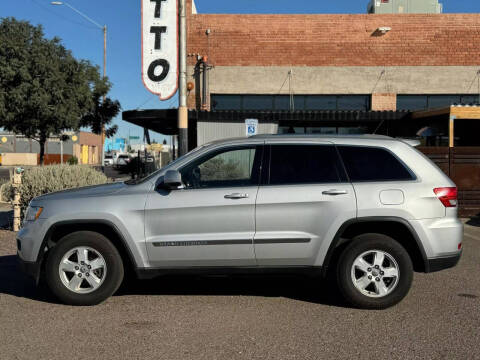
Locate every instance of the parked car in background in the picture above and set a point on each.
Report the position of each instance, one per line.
(108, 160)
(123, 159)
(366, 210)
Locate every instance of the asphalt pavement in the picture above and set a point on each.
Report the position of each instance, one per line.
(243, 318)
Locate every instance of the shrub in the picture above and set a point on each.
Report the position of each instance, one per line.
(46, 179)
(218, 169)
(72, 161)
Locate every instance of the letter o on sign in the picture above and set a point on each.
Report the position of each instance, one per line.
(154, 65)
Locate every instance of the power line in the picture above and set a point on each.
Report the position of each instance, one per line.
(150, 98)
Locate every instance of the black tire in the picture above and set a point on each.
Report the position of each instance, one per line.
(114, 265)
(360, 245)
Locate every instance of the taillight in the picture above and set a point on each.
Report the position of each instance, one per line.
(447, 195)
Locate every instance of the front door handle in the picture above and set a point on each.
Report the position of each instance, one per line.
(335, 192)
(236, 196)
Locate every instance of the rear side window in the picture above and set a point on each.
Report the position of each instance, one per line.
(373, 164)
(304, 164)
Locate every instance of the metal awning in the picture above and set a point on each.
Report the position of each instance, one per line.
(317, 115)
(460, 112)
(165, 121)
(160, 121)
(452, 114)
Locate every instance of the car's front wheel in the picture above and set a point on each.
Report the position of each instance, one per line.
(374, 272)
(84, 269)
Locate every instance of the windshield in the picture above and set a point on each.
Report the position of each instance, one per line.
(154, 174)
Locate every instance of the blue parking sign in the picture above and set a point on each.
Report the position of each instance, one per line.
(251, 126)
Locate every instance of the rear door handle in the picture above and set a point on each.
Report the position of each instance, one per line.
(335, 192)
(236, 196)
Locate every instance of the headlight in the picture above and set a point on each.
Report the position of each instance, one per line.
(33, 213)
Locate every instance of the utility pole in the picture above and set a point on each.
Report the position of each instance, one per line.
(182, 108)
(102, 153)
(104, 29)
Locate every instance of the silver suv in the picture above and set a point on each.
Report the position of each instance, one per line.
(368, 210)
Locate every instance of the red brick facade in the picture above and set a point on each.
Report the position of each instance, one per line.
(336, 40)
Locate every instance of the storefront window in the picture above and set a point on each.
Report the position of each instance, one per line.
(427, 102)
(353, 102)
(253, 102)
(441, 101)
(322, 130)
(412, 102)
(321, 102)
(282, 102)
(226, 102)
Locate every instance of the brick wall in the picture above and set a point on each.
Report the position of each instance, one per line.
(381, 102)
(336, 40)
(90, 139)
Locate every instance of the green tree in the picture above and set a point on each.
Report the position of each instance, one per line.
(44, 90)
(104, 110)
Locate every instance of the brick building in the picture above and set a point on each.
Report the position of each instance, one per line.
(421, 54)
(394, 74)
(295, 63)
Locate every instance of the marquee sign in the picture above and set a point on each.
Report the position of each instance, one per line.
(160, 47)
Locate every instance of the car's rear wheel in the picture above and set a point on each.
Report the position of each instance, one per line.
(84, 268)
(374, 272)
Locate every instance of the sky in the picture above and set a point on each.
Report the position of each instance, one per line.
(124, 47)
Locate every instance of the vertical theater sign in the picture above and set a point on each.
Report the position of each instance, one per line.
(160, 47)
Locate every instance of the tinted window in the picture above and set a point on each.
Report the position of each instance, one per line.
(470, 99)
(284, 102)
(353, 102)
(258, 102)
(440, 101)
(226, 102)
(229, 168)
(321, 102)
(372, 164)
(424, 102)
(304, 164)
(412, 102)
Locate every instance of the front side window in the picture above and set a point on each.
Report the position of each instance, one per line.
(373, 164)
(304, 164)
(228, 168)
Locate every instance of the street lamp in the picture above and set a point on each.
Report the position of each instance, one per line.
(104, 28)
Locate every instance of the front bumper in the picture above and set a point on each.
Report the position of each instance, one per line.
(442, 263)
(30, 268)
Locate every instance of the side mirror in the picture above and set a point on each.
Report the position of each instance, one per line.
(172, 180)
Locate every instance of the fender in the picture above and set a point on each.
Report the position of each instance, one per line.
(337, 239)
(106, 223)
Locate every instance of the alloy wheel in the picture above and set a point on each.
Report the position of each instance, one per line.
(82, 270)
(375, 273)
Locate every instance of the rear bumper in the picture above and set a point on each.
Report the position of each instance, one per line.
(30, 268)
(442, 263)
(440, 237)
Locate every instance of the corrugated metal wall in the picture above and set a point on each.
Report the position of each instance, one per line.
(208, 131)
(24, 145)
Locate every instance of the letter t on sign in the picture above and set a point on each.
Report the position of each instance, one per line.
(158, 31)
(158, 7)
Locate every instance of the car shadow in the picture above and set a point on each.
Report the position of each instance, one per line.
(474, 221)
(307, 289)
(13, 282)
